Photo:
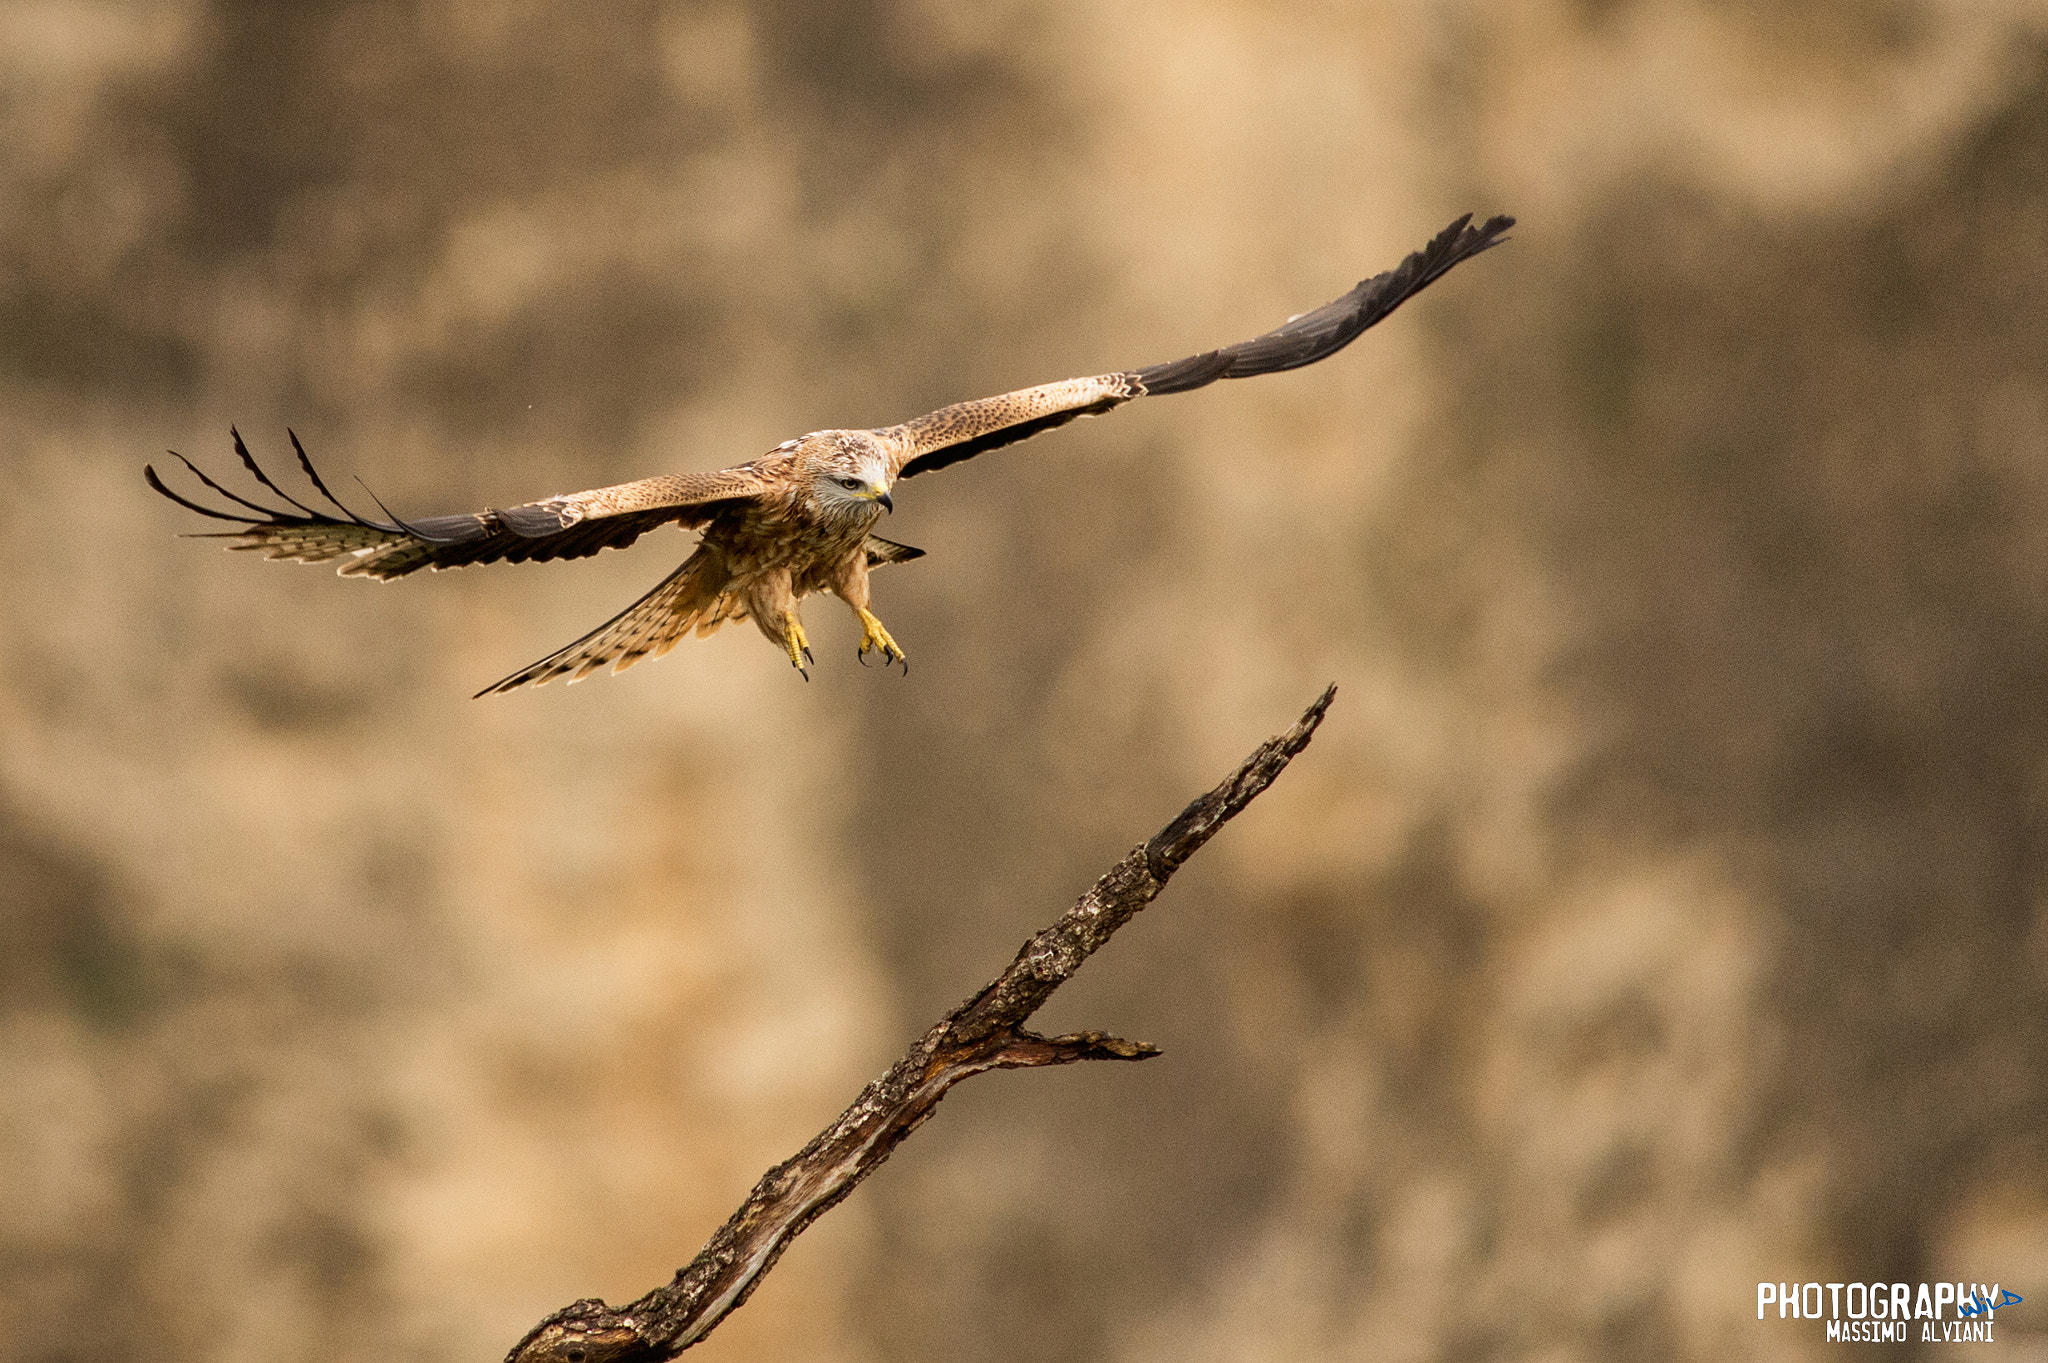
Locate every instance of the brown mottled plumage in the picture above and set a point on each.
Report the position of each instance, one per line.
(798, 520)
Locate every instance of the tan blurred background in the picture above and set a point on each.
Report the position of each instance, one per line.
(1664, 907)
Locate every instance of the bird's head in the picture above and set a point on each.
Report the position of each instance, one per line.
(847, 473)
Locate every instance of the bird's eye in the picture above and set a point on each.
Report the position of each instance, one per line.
(849, 482)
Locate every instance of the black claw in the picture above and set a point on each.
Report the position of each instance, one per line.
(807, 654)
(862, 654)
(906, 663)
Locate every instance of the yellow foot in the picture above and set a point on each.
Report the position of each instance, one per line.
(875, 637)
(793, 639)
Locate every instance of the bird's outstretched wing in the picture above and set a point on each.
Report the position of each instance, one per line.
(570, 526)
(969, 428)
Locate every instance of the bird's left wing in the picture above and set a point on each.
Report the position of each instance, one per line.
(570, 526)
(966, 429)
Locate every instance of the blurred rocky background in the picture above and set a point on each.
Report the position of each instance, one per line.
(1663, 908)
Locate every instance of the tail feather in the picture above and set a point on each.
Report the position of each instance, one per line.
(693, 596)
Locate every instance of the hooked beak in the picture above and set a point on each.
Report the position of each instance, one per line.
(883, 498)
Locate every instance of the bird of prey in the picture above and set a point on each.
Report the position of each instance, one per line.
(801, 518)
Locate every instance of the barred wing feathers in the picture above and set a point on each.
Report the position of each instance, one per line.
(693, 596)
(574, 525)
(966, 429)
(700, 595)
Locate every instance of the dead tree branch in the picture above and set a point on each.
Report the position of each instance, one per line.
(984, 1033)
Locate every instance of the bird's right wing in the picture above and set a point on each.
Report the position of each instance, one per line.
(966, 429)
(570, 526)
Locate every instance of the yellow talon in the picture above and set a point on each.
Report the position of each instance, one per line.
(874, 636)
(794, 640)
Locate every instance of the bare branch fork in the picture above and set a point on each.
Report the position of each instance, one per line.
(984, 1033)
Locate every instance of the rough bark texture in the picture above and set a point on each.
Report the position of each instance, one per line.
(984, 1033)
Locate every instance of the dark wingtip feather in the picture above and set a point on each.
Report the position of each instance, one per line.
(256, 471)
(1322, 332)
(267, 513)
(149, 475)
(1178, 376)
(313, 476)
